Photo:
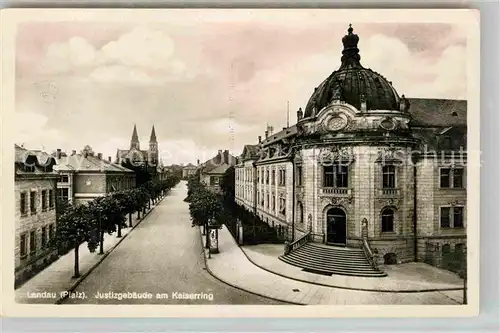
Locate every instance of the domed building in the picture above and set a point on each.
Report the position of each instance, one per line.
(365, 177)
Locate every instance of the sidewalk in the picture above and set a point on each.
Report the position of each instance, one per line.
(57, 277)
(408, 277)
(233, 267)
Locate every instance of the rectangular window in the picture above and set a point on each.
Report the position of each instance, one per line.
(457, 178)
(33, 202)
(451, 178)
(267, 200)
(63, 194)
(445, 175)
(32, 242)
(341, 176)
(44, 236)
(458, 217)
(388, 176)
(274, 202)
(51, 232)
(284, 178)
(51, 199)
(282, 206)
(328, 176)
(445, 217)
(273, 177)
(64, 179)
(267, 177)
(299, 175)
(23, 204)
(44, 200)
(22, 246)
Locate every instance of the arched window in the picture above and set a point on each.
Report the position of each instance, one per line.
(387, 220)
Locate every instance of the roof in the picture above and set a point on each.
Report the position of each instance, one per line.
(217, 161)
(438, 112)
(283, 134)
(221, 169)
(43, 161)
(90, 163)
(189, 166)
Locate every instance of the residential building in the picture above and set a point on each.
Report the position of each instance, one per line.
(212, 171)
(35, 213)
(188, 171)
(364, 163)
(85, 176)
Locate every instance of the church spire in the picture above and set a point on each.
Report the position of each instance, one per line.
(134, 143)
(153, 135)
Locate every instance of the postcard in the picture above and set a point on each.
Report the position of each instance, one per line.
(240, 163)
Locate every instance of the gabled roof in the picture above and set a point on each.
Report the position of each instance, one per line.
(221, 169)
(438, 112)
(90, 163)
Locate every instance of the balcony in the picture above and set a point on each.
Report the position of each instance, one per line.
(337, 191)
(389, 192)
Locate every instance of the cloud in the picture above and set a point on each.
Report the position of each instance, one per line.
(32, 132)
(141, 56)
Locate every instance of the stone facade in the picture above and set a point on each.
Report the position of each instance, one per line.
(346, 161)
(35, 213)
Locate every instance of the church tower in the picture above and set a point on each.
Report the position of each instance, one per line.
(153, 148)
(134, 143)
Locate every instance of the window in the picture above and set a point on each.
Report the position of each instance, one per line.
(300, 212)
(282, 177)
(214, 180)
(22, 246)
(51, 232)
(299, 175)
(274, 202)
(44, 236)
(273, 177)
(32, 242)
(388, 176)
(267, 176)
(452, 217)
(63, 194)
(44, 200)
(387, 220)
(51, 199)
(282, 206)
(267, 200)
(33, 202)
(29, 168)
(336, 176)
(23, 204)
(64, 179)
(451, 178)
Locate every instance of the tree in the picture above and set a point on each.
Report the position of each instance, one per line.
(75, 227)
(105, 214)
(205, 208)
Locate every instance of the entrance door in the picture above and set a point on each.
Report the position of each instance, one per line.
(336, 226)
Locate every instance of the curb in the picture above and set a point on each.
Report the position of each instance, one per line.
(101, 259)
(235, 286)
(348, 288)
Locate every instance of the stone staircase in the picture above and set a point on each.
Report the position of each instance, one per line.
(328, 260)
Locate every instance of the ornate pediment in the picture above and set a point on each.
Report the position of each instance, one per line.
(390, 155)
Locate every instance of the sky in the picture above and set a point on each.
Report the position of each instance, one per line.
(206, 84)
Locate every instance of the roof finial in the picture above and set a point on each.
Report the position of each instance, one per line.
(350, 29)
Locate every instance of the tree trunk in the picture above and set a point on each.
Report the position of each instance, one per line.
(77, 267)
(130, 220)
(101, 242)
(119, 230)
(207, 236)
(139, 214)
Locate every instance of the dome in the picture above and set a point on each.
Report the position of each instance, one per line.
(352, 83)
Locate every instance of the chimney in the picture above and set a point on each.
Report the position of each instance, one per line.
(226, 156)
(300, 114)
(73, 152)
(99, 156)
(109, 159)
(266, 134)
(58, 154)
(198, 162)
(270, 130)
(260, 139)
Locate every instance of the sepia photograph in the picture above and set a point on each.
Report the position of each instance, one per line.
(242, 157)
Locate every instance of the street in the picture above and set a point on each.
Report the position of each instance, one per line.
(163, 257)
